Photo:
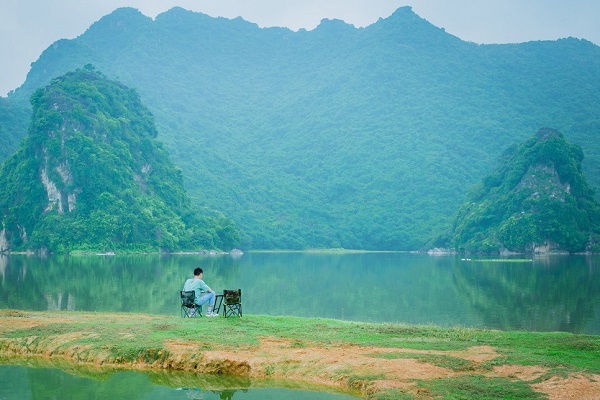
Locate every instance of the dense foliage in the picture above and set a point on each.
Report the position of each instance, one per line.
(13, 125)
(537, 196)
(90, 175)
(336, 137)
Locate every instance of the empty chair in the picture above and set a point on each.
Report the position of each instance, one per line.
(232, 302)
(189, 309)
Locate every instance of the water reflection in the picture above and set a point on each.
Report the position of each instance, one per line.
(553, 293)
(33, 382)
(542, 295)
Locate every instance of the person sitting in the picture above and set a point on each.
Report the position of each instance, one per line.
(203, 292)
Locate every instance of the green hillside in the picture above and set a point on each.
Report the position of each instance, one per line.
(90, 175)
(14, 119)
(340, 136)
(537, 199)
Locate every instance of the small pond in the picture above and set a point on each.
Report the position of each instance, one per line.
(35, 383)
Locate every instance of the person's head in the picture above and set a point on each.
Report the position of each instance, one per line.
(198, 272)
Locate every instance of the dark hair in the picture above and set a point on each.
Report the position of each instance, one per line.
(198, 271)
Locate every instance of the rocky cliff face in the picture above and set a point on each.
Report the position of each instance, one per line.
(537, 200)
(90, 175)
(56, 198)
(3, 242)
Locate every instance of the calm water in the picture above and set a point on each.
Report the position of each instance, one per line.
(23, 383)
(557, 293)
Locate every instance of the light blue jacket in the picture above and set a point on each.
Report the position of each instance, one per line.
(197, 285)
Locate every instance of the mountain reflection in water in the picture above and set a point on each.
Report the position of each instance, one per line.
(554, 293)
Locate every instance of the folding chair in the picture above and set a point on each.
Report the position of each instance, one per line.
(189, 309)
(232, 302)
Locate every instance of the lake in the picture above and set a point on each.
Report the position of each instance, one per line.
(552, 293)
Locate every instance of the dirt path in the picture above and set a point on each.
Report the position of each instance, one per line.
(321, 365)
(329, 365)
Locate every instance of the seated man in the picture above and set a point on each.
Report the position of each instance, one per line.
(203, 292)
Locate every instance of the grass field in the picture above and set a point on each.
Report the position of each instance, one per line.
(374, 361)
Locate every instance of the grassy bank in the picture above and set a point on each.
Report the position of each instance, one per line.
(378, 361)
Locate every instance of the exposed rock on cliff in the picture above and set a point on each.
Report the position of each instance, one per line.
(90, 175)
(537, 200)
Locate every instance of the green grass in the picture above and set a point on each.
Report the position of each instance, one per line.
(131, 337)
(557, 350)
(444, 361)
(393, 394)
(564, 351)
(478, 387)
(361, 381)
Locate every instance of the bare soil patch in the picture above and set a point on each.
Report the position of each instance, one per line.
(337, 365)
(276, 358)
(520, 372)
(577, 387)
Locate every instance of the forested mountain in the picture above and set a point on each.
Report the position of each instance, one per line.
(90, 175)
(14, 119)
(537, 199)
(339, 136)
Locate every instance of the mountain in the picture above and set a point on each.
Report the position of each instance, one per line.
(13, 125)
(537, 200)
(90, 175)
(340, 136)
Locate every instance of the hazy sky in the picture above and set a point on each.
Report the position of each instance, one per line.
(27, 27)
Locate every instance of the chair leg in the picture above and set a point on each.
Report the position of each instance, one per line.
(191, 312)
(233, 309)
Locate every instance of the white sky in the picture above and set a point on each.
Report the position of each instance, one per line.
(28, 27)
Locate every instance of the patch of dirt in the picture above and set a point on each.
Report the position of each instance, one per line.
(520, 372)
(337, 365)
(368, 369)
(56, 342)
(18, 320)
(19, 324)
(577, 387)
(476, 354)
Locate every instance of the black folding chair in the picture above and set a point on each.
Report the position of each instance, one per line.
(189, 309)
(232, 302)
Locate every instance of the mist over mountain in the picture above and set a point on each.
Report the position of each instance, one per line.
(340, 136)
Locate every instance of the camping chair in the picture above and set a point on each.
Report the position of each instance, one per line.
(189, 309)
(232, 302)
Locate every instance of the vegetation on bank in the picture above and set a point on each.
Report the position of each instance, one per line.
(144, 341)
(91, 176)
